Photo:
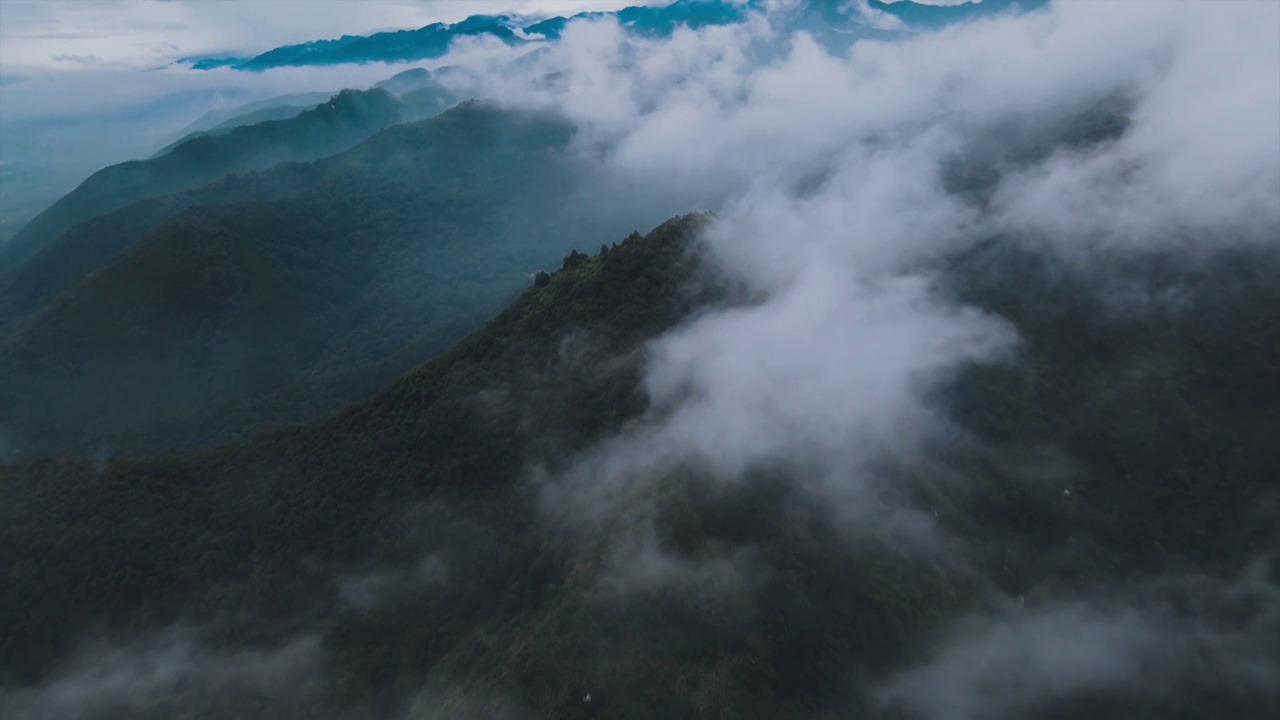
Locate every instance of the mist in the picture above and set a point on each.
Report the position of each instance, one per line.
(85, 87)
(58, 127)
(847, 184)
(850, 320)
(1157, 642)
(827, 173)
(171, 671)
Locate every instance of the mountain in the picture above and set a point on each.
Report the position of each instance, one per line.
(964, 409)
(224, 117)
(275, 112)
(397, 559)
(275, 296)
(417, 79)
(434, 40)
(929, 16)
(68, 258)
(424, 43)
(107, 278)
(77, 251)
(347, 118)
(651, 20)
(419, 90)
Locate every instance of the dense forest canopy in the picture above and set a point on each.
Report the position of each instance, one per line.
(344, 120)
(280, 295)
(415, 505)
(955, 400)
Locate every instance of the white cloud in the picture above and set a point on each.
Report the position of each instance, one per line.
(1004, 666)
(147, 33)
(102, 72)
(831, 372)
(936, 2)
(825, 169)
(173, 668)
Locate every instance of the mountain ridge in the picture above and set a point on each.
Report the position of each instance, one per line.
(384, 245)
(433, 41)
(347, 118)
(443, 452)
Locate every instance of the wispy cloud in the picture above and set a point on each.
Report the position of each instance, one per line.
(140, 33)
(836, 365)
(173, 670)
(1139, 644)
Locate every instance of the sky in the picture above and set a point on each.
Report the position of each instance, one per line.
(71, 34)
(89, 83)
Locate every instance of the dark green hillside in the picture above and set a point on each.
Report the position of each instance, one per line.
(67, 259)
(1163, 412)
(346, 119)
(419, 94)
(448, 447)
(228, 116)
(231, 318)
(1156, 374)
(276, 112)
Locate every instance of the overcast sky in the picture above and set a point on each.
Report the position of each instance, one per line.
(68, 34)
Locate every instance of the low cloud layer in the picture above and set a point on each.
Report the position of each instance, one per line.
(1141, 645)
(835, 365)
(138, 33)
(366, 590)
(57, 128)
(173, 672)
(829, 174)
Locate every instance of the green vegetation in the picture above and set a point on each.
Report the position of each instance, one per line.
(274, 297)
(1164, 414)
(228, 116)
(330, 127)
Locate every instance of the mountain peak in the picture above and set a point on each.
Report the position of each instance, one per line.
(434, 40)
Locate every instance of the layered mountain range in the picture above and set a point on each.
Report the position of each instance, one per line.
(433, 41)
(404, 403)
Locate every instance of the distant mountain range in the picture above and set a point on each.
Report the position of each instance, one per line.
(273, 296)
(295, 289)
(434, 40)
(264, 206)
(253, 141)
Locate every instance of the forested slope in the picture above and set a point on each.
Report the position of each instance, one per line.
(470, 600)
(313, 286)
(330, 127)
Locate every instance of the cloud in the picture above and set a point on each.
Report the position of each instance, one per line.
(1204, 151)
(173, 671)
(877, 19)
(86, 60)
(848, 328)
(367, 590)
(1141, 644)
(827, 172)
(57, 128)
(637, 565)
(135, 33)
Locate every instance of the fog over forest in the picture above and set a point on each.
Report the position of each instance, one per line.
(708, 359)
